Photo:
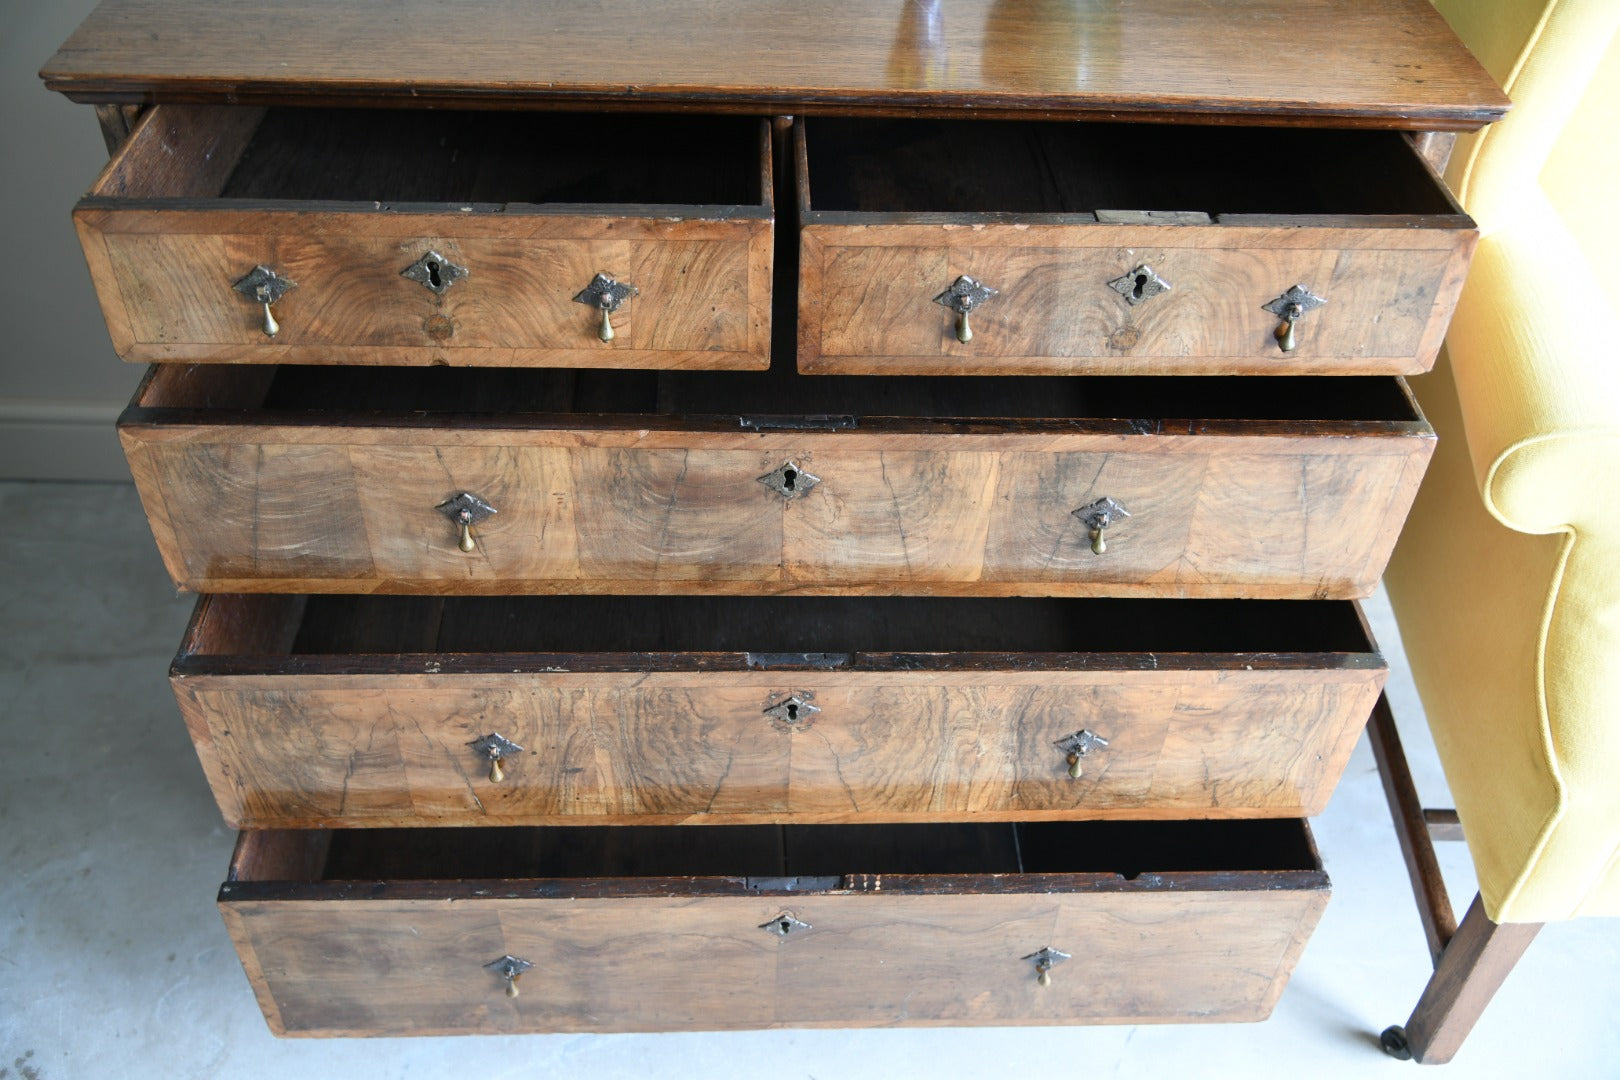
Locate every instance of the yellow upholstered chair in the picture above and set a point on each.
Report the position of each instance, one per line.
(1506, 582)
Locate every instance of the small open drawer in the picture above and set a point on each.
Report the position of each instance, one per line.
(324, 236)
(326, 479)
(979, 248)
(373, 711)
(416, 932)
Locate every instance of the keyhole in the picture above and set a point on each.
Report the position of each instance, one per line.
(786, 926)
(1141, 283)
(788, 476)
(433, 275)
(792, 714)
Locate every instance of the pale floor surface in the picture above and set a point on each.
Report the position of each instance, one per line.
(114, 963)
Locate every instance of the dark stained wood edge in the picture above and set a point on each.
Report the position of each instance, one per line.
(1428, 886)
(801, 171)
(617, 211)
(471, 889)
(1346, 221)
(767, 165)
(1478, 959)
(862, 217)
(136, 419)
(1443, 825)
(94, 90)
(230, 624)
(306, 666)
(289, 853)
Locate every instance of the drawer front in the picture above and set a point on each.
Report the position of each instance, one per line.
(867, 298)
(174, 236)
(618, 954)
(356, 750)
(166, 280)
(253, 508)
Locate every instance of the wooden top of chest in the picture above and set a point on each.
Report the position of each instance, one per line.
(1376, 63)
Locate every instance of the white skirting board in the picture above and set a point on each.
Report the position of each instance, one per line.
(53, 439)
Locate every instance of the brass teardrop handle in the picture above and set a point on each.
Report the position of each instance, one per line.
(510, 968)
(605, 295)
(495, 747)
(1097, 516)
(1045, 961)
(464, 511)
(1290, 307)
(1075, 747)
(264, 286)
(962, 296)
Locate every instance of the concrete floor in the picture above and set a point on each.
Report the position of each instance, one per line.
(113, 961)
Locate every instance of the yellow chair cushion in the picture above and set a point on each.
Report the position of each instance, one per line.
(1507, 579)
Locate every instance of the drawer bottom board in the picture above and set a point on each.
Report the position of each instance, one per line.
(393, 932)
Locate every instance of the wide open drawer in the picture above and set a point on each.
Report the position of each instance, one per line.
(434, 238)
(343, 480)
(1120, 249)
(347, 711)
(392, 932)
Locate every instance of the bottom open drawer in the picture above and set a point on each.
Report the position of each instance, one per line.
(395, 932)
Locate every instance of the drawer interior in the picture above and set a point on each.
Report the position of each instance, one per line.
(618, 631)
(335, 394)
(1121, 849)
(1030, 167)
(389, 157)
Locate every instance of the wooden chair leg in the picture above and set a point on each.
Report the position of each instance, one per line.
(1472, 967)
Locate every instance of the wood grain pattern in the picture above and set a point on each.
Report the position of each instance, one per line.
(891, 949)
(286, 749)
(646, 503)
(866, 295)
(1381, 62)
(164, 267)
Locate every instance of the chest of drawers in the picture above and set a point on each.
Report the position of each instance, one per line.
(722, 515)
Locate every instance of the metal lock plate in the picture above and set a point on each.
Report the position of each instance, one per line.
(509, 966)
(435, 272)
(1081, 742)
(495, 746)
(1045, 961)
(263, 285)
(789, 480)
(784, 925)
(964, 294)
(1102, 513)
(1294, 303)
(1139, 285)
(792, 712)
(605, 294)
(465, 509)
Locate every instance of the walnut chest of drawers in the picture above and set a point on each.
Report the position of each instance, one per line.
(721, 515)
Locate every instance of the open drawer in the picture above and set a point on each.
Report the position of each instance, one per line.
(433, 931)
(980, 248)
(326, 479)
(373, 711)
(324, 236)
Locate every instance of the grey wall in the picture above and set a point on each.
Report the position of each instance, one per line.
(61, 387)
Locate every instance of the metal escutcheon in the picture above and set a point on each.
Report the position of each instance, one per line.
(264, 286)
(464, 511)
(789, 480)
(605, 295)
(1139, 285)
(1077, 746)
(1289, 307)
(435, 273)
(510, 968)
(962, 296)
(1097, 516)
(792, 710)
(784, 924)
(495, 747)
(1045, 961)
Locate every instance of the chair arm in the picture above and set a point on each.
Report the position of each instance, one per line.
(1536, 352)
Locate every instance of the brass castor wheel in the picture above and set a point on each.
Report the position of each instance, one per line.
(1393, 1040)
